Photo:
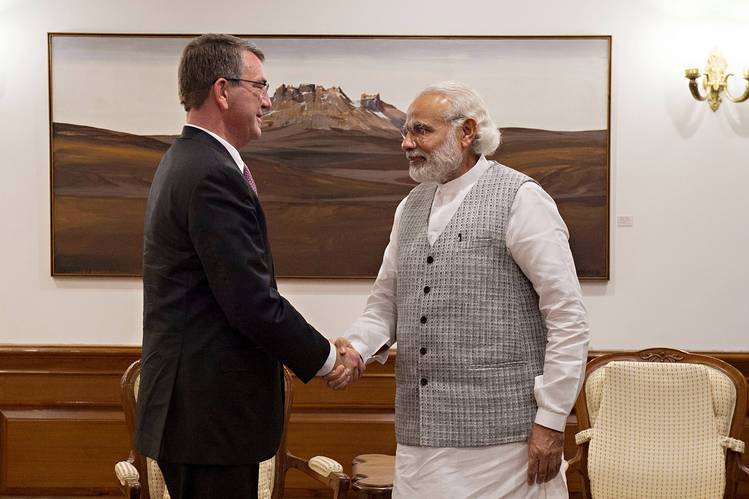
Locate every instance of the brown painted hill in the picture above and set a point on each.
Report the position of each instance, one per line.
(92, 161)
(329, 194)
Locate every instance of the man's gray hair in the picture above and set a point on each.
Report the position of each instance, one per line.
(207, 58)
(466, 103)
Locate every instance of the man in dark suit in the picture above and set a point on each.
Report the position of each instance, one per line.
(215, 329)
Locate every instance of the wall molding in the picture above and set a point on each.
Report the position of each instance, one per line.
(62, 427)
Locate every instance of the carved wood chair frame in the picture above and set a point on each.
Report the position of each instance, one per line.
(338, 482)
(735, 470)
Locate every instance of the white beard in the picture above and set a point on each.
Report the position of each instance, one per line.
(440, 165)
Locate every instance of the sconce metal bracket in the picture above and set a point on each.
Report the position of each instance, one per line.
(714, 82)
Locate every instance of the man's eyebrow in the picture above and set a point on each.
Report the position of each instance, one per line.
(419, 124)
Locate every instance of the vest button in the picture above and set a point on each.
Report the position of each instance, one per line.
(423, 319)
(422, 350)
(427, 289)
(430, 259)
(424, 382)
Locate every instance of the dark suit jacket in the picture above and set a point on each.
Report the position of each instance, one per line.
(215, 329)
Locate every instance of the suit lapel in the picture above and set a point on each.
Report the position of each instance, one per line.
(192, 133)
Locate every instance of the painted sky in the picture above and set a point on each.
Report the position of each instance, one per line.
(129, 84)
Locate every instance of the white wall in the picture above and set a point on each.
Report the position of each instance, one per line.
(679, 275)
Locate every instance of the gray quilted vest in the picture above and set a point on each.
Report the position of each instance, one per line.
(470, 336)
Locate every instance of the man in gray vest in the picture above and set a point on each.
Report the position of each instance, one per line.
(479, 288)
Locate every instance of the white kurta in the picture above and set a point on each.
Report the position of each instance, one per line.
(537, 239)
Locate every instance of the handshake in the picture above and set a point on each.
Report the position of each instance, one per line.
(349, 365)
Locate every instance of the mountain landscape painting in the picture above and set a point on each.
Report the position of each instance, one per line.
(329, 168)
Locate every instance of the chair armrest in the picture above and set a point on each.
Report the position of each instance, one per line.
(743, 473)
(129, 479)
(574, 463)
(579, 463)
(338, 481)
(324, 465)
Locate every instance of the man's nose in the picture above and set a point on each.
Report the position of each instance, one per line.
(266, 103)
(407, 143)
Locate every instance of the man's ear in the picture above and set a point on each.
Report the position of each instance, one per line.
(468, 135)
(219, 93)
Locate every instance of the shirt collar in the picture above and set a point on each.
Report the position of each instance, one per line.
(230, 148)
(467, 179)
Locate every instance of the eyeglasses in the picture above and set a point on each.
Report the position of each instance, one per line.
(420, 131)
(263, 86)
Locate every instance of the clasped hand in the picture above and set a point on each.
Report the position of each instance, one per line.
(349, 365)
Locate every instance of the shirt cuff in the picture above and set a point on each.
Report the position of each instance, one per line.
(550, 419)
(382, 357)
(329, 363)
(366, 356)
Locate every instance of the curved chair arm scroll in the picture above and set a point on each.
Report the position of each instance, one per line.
(338, 481)
(129, 479)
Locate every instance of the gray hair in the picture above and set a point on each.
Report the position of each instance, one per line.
(466, 103)
(207, 58)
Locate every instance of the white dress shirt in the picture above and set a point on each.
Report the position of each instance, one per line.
(537, 240)
(330, 361)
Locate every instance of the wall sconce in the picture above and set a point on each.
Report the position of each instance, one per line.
(714, 81)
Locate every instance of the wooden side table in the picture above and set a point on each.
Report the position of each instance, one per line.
(373, 476)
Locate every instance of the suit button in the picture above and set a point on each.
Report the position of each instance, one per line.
(423, 319)
(430, 259)
(424, 382)
(427, 289)
(422, 350)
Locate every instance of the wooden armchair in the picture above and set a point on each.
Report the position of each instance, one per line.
(140, 477)
(660, 423)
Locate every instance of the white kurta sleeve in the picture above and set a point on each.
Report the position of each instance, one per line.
(375, 327)
(537, 239)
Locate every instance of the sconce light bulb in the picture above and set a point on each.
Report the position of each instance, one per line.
(692, 73)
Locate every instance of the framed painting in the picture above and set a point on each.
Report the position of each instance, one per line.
(329, 168)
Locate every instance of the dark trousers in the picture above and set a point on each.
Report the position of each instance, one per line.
(202, 481)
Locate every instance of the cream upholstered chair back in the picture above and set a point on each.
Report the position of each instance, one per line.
(659, 429)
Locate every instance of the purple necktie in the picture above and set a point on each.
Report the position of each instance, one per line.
(248, 177)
